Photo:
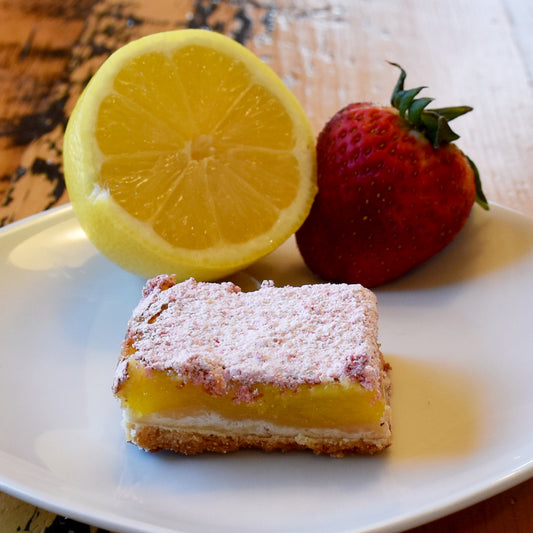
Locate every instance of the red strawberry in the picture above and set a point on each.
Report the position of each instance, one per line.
(392, 189)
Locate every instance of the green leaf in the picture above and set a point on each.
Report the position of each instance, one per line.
(416, 108)
(481, 199)
(436, 129)
(405, 99)
(449, 113)
(398, 88)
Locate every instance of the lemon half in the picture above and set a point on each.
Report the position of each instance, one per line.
(186, 154)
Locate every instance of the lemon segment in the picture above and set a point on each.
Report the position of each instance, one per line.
(186, 154)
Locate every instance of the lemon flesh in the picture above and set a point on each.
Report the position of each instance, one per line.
(187, 155)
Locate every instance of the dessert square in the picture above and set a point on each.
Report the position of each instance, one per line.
(206, 367)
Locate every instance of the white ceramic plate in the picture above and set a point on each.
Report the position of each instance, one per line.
(458, 333)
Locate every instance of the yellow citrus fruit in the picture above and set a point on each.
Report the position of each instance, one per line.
(186, 154)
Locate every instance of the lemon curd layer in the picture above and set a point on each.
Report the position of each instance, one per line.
(342, 406)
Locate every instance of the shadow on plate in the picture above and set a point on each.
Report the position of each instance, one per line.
(435, 411)
(490, 241)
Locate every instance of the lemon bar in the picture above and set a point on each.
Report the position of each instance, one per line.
(206, 367)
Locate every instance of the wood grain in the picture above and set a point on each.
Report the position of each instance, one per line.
(476, 52)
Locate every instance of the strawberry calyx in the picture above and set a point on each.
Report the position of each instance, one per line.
(433, 123)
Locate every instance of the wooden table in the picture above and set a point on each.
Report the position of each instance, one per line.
(476, 52)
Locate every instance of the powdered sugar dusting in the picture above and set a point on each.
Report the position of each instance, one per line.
(215, 335)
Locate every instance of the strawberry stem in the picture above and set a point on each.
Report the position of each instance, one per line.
(433, 123)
